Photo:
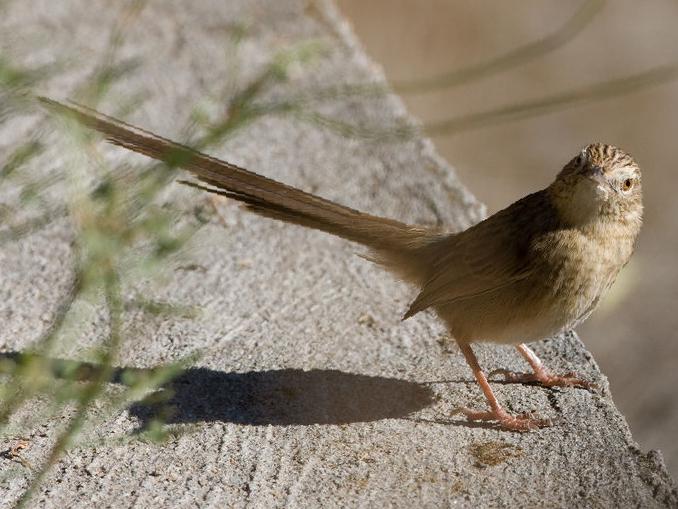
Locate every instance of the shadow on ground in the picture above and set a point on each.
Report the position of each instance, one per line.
(288, 396)
(277, 397)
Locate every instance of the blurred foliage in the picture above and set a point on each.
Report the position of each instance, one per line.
(120, 231)
(515, 57)
(512, 59)
(596, 92)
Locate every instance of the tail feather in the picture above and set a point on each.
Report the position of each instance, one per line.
(395, 244)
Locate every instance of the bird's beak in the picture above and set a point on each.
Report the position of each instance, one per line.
(596, 174)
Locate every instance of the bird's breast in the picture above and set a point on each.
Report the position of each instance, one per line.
(571, 271)
(580, 266)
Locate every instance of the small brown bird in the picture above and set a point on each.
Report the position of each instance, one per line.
(530, 271)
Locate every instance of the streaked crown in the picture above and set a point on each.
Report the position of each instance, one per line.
(608, 157)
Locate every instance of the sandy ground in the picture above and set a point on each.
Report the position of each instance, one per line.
(633, 335)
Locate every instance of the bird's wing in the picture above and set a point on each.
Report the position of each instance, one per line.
(490, 255)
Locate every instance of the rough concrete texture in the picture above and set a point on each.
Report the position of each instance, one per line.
(310, 391)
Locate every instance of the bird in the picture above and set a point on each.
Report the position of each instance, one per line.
(530, 271)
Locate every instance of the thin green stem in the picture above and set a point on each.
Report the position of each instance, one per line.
(92, 390)
(44, 343)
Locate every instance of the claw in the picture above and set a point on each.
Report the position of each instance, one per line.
(521, 423)
(500, 371)
(542, 378)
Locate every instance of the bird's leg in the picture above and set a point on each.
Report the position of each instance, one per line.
(540, 374)
(496, 412)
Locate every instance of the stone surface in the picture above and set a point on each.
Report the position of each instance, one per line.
(309, 390)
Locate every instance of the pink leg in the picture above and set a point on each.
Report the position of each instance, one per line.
(496, 413)
(540, 375)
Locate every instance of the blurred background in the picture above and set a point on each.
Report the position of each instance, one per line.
(511, 91)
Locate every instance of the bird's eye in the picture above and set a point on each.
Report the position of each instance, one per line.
(627, 185)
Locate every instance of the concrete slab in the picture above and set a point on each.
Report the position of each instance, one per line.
(309, 390)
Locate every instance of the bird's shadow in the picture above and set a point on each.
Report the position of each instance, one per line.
(285, 397)
(275, 397)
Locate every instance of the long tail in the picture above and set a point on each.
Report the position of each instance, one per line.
(396, 245)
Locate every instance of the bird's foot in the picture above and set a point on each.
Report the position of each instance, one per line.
(545, 379)
(506, 421)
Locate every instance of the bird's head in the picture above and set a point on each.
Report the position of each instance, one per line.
(601, 183)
